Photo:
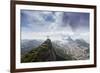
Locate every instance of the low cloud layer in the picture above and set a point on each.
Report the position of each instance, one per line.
(37, 24)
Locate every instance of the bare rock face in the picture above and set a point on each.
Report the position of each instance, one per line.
(78, 49)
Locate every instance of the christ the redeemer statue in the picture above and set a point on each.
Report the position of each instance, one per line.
(47, 37)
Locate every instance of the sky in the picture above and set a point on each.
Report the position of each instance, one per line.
(37, 24)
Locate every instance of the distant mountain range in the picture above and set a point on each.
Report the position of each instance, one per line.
(27, 45)
(68, 49)
(78, 49)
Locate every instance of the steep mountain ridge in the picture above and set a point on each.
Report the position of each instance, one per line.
(45, 52)
(58, 51)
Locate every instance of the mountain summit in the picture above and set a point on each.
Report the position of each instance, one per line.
(45, 52)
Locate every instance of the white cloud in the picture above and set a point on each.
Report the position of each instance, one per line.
(39, 28)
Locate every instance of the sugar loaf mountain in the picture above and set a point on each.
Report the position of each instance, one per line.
(48, 50)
